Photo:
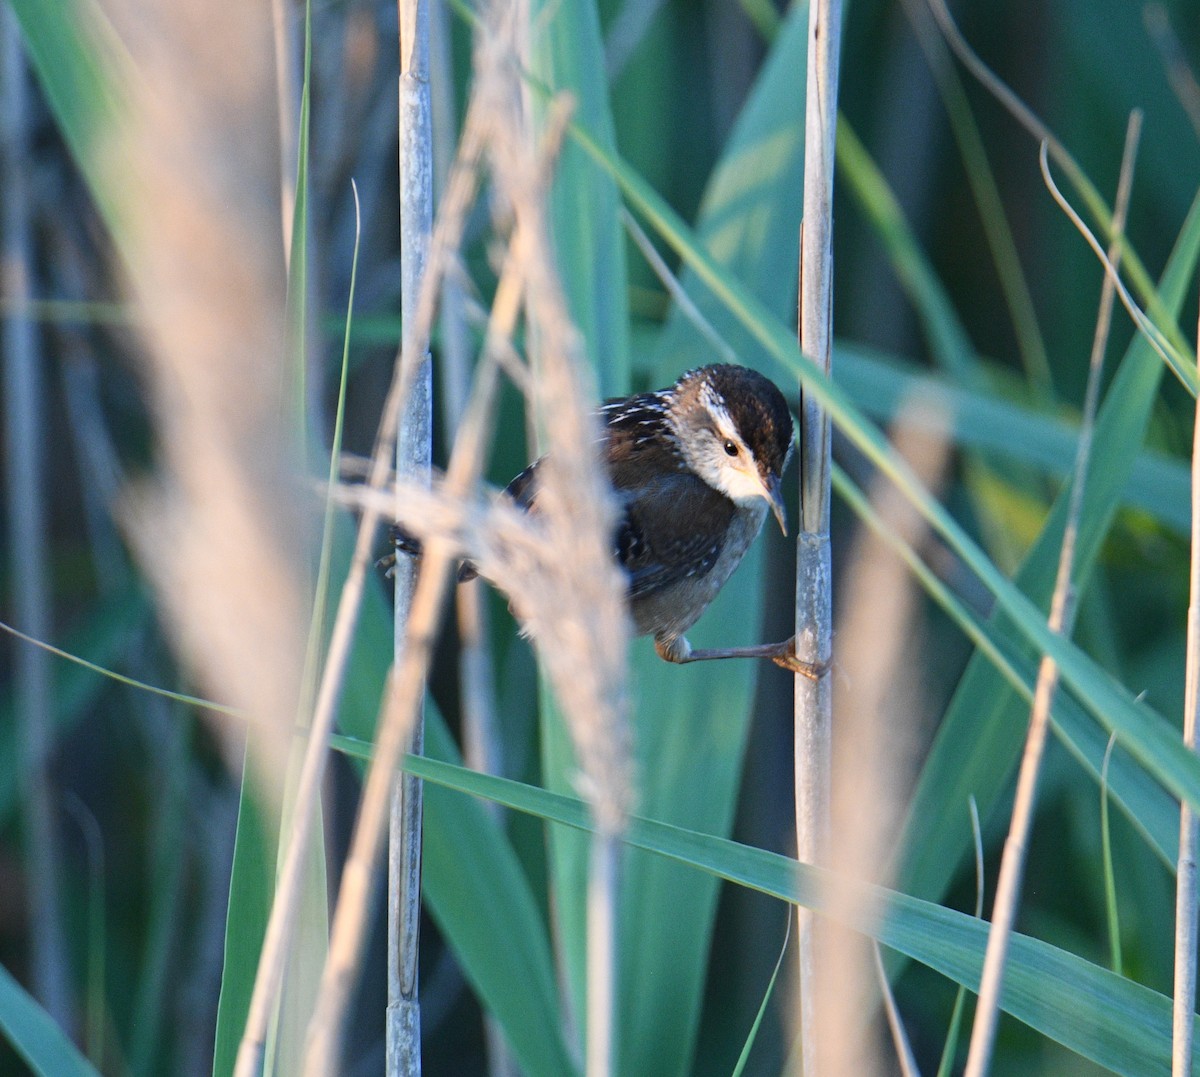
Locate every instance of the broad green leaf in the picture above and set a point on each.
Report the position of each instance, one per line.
(35, 1035)
(472, 879)
(1113, 1021)
(567, 54)
(1146, 734)
(1003, 429)
(75, 53)
(749, 220)
(983, 730)
(692, 723)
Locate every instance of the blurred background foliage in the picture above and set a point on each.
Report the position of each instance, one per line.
(144, 796)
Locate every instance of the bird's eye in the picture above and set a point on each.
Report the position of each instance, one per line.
(730, 448)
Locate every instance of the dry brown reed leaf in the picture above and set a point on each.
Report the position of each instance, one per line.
(194, 166)
(876, 728)
(572, 600)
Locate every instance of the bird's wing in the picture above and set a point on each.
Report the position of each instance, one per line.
(669, 516)
(670, 530)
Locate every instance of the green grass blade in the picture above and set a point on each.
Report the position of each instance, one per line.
(1146, 734)
(948, 340)
(75, 55)
(1112, 1021)
(36, 1036)
(982, 733)
(1149, 807)
(692, 724)
(472, 880)
(1003, 429)
(1111, 914)
(251, 886)
(972, 150)
(744, 1057)
(567, 54)
(111, 627)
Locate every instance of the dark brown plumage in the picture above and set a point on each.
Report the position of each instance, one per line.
(695, 468)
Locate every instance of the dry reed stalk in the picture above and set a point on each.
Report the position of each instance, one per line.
(1168, 349)
(1061, 620)
(403, 697)
(1184, 993)
(24, 427)
(460, 192)
(878, 699)
(574, 607)
(480, 735)
(814, 601)
(219, 532)
(287, 91)
(904, 1052)
(197, 192)
(414, 456)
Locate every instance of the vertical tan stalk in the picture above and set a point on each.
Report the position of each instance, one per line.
(579, 622)
(413, 459)
(24, 425)
(879, 617)
(1062, 616)
(286, 93)
(481, 743)
(814, 602)
(398, 718)
(1184, 1002)
(460, 193)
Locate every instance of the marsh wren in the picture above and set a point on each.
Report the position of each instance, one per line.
(695, 467)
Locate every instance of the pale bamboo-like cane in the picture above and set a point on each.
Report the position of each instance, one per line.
(271, 961)
(814, 603)
(413, 460)
(1184, 1001)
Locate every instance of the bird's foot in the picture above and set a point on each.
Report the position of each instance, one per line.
(784, 654)
(677, 649)
(402, 543)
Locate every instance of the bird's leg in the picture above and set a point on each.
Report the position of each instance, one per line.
(677, 649)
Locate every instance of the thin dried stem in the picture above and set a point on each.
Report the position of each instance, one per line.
(1079, 179)
(1184, 1003)
(1153, 336)
(577, 614)
(814, 602)
(413, 458)
(274, 952)
(677, 292)
(400, 708)
(904, 1051)
(1062, 614)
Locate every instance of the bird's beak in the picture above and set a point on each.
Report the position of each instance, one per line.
(774, 495)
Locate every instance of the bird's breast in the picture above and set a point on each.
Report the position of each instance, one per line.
(674, 609)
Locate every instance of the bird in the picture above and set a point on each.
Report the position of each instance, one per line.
(695, 468)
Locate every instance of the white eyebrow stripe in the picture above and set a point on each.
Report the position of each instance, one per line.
(725, 424)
